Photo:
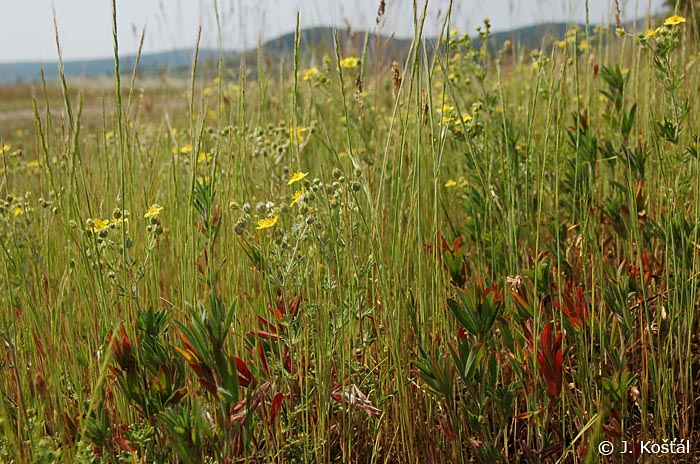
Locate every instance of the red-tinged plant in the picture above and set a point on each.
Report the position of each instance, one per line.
(145, 370)
(276, 406)
(476, 307)
(453, 256)
(574, 306)
(527, 326)
(549, 358)
(203, 346)
(122, 352)
(273, 339)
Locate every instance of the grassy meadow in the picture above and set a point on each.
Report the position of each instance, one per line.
(467, 254)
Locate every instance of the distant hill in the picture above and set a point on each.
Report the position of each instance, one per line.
(315, 42)
(31, 71)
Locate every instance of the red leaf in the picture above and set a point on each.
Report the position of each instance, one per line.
(245, 377)
(550, 360)
(294, 307)
(124, 445)
(276, 406)
(267, 324)
(574, 308)
(263, 360)
(265, 335)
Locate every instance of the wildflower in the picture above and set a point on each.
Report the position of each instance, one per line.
(297, 196)
(17, 211)
(154, 210)
(674, 20)
(207, 91)
(33, 164)
(267, 222)
(450, 183)
(99, 225)
(204, 157)
(447, 108)
(296, 177)
(300, 134)
(652, 32)
(186, 149)
(349, 62)
(310, 73)
(619, 32)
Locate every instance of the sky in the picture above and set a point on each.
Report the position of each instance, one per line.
(85, 26)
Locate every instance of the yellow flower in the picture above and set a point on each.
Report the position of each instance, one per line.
(207, 91)
(651, 33)
(300, 134)
(297, 196)
(109, 135)
(33, 164)
(349, 62)
(296, 177)
(619, 32)
(17, 211)
(450, 183)
(5, 148)
(447, 108)
(154, 210)
(186, 149)
(267, 222)
(310, 73)
(100, 224)
(204, 157)
(674, 20)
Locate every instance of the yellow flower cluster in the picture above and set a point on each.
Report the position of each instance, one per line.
(296, 177)
(674, 20)
(309, 74)
(154, 210)
(267, 222)
(349, 62)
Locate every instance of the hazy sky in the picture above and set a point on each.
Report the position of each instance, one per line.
(85, 29)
